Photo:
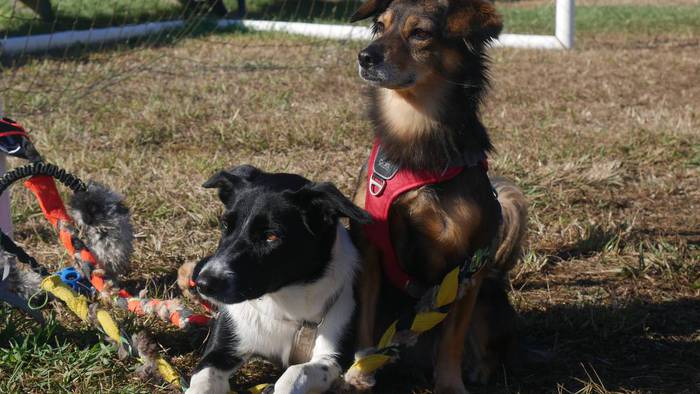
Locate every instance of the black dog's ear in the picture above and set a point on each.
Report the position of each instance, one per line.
(227, 181)
(369, 8)
(474, 20)
(326, 199)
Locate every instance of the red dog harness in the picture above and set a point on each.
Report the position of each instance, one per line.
(386, 182)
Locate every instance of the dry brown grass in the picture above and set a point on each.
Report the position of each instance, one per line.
(604, 141)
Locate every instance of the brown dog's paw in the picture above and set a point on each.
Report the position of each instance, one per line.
(355, 381)
(184, 278)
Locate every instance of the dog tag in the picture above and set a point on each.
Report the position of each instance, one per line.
(303, 345)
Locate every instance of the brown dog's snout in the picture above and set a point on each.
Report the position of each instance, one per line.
(370, 56)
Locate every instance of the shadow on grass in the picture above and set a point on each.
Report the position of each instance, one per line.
(641, 347)
(645, 347)
(596, 240)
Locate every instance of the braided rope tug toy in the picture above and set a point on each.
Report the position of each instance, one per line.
(14, 141)
(430, 311)
(43, 186)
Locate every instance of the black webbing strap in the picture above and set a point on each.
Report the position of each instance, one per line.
(12, 248)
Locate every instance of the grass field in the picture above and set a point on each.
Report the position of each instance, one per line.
(605, 140)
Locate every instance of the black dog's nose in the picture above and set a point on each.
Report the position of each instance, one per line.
(202, 283)
(369, 57)
(209, 284)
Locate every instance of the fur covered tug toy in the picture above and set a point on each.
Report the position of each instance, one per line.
(99, 216)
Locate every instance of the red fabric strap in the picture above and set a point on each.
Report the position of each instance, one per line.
(11, 133)
(10, 127)
(44, 188)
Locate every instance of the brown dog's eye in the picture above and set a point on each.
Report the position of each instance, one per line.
(271, 237)
(377, 28)
(421, 35)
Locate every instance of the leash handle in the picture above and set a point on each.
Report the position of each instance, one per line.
(42, 169)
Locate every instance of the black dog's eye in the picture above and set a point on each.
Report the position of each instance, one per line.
(227, 221)
(421, 35)
(377, 28)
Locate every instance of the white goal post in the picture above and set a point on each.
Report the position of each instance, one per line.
(563, 37)
(564, 31)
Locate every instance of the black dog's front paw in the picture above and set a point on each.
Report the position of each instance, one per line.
(209, 380)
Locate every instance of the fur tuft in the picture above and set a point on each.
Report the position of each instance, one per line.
(148, 352)
(184, 276)
(23, 282)
(514, 227)
(102, 218)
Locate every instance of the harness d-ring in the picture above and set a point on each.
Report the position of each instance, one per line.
(376, 185)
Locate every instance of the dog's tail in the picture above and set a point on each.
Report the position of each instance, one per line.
(514, 226)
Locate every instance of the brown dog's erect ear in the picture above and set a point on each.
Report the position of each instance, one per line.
(369, 8)
(475, 20)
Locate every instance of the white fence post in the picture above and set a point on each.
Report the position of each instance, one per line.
(5, 214)
(566, 22)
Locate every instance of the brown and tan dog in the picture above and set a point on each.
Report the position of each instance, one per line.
(428, 68)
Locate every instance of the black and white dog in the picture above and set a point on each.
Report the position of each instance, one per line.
(283, 278)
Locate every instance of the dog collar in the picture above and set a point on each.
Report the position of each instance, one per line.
(306, 332)
(386, 181)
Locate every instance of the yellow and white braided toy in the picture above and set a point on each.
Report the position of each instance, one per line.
(430, 311)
